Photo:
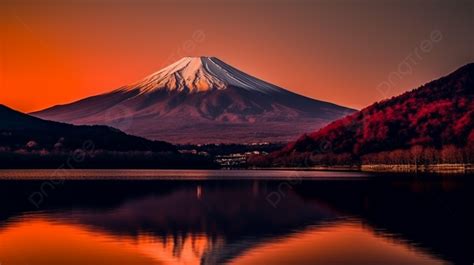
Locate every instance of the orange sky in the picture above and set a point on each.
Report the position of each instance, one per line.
(338, 51)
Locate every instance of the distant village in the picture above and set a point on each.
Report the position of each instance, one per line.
(230, 156)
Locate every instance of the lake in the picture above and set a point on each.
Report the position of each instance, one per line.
(233, 217)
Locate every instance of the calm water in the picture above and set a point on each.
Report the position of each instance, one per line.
(233, 217)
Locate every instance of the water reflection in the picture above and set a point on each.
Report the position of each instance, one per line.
(215, 222)
(42, 241)
(340, 243)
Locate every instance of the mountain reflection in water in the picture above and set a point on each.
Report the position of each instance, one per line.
(369, 221)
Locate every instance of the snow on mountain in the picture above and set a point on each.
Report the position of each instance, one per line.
(199, 74)
(201, 100)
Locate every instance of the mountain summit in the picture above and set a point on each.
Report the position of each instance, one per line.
(201, 100)
(200, 74)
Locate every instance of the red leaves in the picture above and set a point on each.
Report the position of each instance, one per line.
(432, 123)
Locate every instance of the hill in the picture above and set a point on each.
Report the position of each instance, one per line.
(30, 142)
(431, 124)
(17, 129)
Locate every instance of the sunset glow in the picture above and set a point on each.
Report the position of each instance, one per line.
(41, 240)
(242, 132)
(57, 52)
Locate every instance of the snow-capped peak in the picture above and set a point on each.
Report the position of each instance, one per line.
(198, 74)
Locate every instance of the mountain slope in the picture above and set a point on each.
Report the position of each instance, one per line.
(201, 100)
(20, 131)
(434, 123)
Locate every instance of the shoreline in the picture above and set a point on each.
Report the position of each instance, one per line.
(59, 176)
(367, 168)
(389, 168)
(434, 168)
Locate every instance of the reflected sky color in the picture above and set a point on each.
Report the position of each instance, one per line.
(319, 221)
(341, 243)
(37, 240)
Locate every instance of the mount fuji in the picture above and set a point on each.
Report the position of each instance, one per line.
(201, 100)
